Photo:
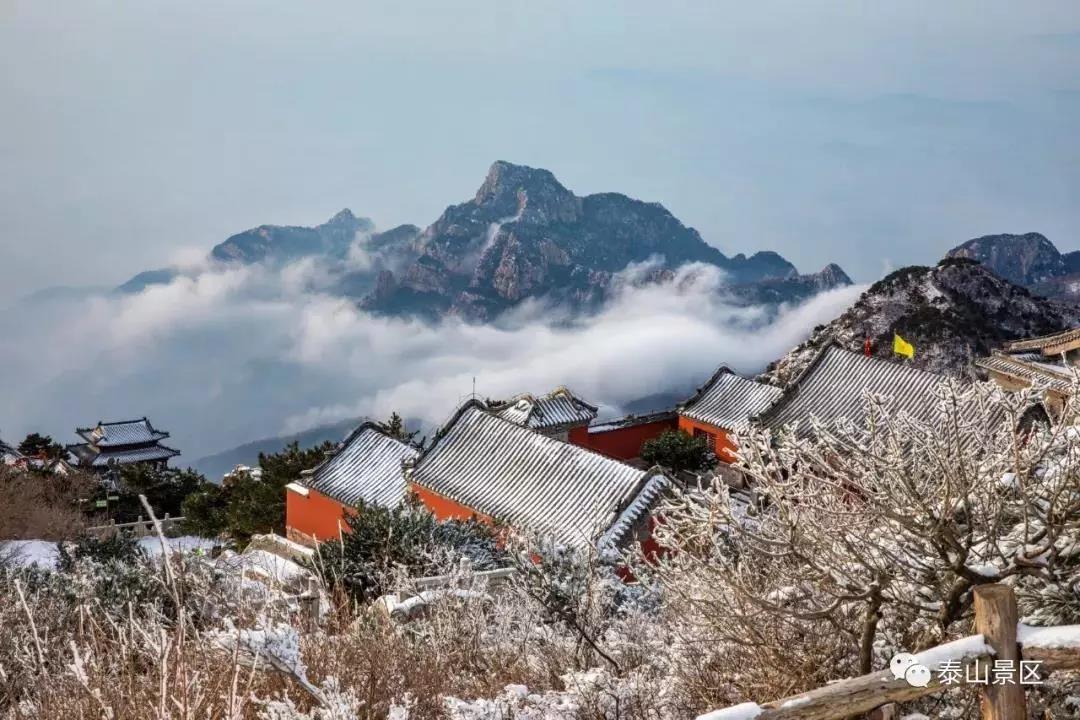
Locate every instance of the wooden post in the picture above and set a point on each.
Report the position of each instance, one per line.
(885, 712)
(995, 618)
(309, 605)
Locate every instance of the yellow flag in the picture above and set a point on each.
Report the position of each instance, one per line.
(901, 346)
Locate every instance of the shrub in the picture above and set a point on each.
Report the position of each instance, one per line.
(407, 538)
(677, 450)
(250, 505)
(42, 506)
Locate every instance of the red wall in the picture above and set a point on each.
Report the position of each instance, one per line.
(724, 446)
(314, 517)
(443, 508)
(622, 443)
(578, 435)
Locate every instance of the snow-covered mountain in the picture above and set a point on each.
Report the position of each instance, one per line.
(952, 312)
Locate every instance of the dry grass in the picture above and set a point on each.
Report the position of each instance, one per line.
(40, 506)
(144, 642)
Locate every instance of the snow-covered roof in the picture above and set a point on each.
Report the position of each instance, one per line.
(728, 401)
(632, 421)
(532, 481)
(88, 455)
(124, 432)
(366, 467)
(1044, 342)
(9, 451)
(559, 408)
(833, 385)
(1029, 368)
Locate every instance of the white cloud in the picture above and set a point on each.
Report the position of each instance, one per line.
(236, 354)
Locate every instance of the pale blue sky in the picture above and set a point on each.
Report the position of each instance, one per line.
(835, 131)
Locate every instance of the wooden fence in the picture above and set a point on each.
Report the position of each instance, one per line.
(999, 638)
(139, 528)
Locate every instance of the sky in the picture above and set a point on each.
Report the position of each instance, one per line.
(136, 135)
(869, 134)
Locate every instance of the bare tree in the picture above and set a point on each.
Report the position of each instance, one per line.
(860, 540)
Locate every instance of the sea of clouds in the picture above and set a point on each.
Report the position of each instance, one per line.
(225, 355)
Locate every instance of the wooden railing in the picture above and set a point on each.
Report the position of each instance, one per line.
(139, 528)
(998, 639)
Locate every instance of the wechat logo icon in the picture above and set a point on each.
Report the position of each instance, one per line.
(905, 666)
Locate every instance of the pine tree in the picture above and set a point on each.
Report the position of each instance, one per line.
(37, 445)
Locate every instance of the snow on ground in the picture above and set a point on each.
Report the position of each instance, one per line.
(266, 564)
(45, 554)
(25, 553)
(515, 701)
(151, 544)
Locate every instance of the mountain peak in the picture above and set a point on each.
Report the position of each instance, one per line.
(1029, 259)
(527, 194)
(345, 217)
(833, 275)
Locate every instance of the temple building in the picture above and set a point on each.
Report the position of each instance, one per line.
(559, 414)
(365, 468)
(1049, 361)
(723, 406)
(10, 455)
(484, 466)
(129, 442)
(624, 437)
(834, 384)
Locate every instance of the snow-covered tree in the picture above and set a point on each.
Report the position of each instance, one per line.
(856, 541)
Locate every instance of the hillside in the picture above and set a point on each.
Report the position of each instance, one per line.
(216, 465)
(951, 312)
(1030, 260)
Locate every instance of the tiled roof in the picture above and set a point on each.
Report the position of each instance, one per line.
(728, 401)
(832, 387)
(529, 480)
(88, 456)
(1030, 368)
(632, 421)
(1038, 343)
(366, 467)
(559, 408)
(9, 450)
(126, 432)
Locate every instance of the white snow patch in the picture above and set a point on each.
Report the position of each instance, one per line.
(26, 553)
(745, 711)
(1062, 636)
(970, 647)
(267, 564)
(151, 544)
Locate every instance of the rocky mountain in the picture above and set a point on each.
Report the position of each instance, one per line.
(523, 235)
(1030, 260)
(777, 290)
(952, 313)
(276, 242)
(272, 243)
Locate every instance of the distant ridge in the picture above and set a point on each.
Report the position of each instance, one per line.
(216, 465)
(522, 235)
